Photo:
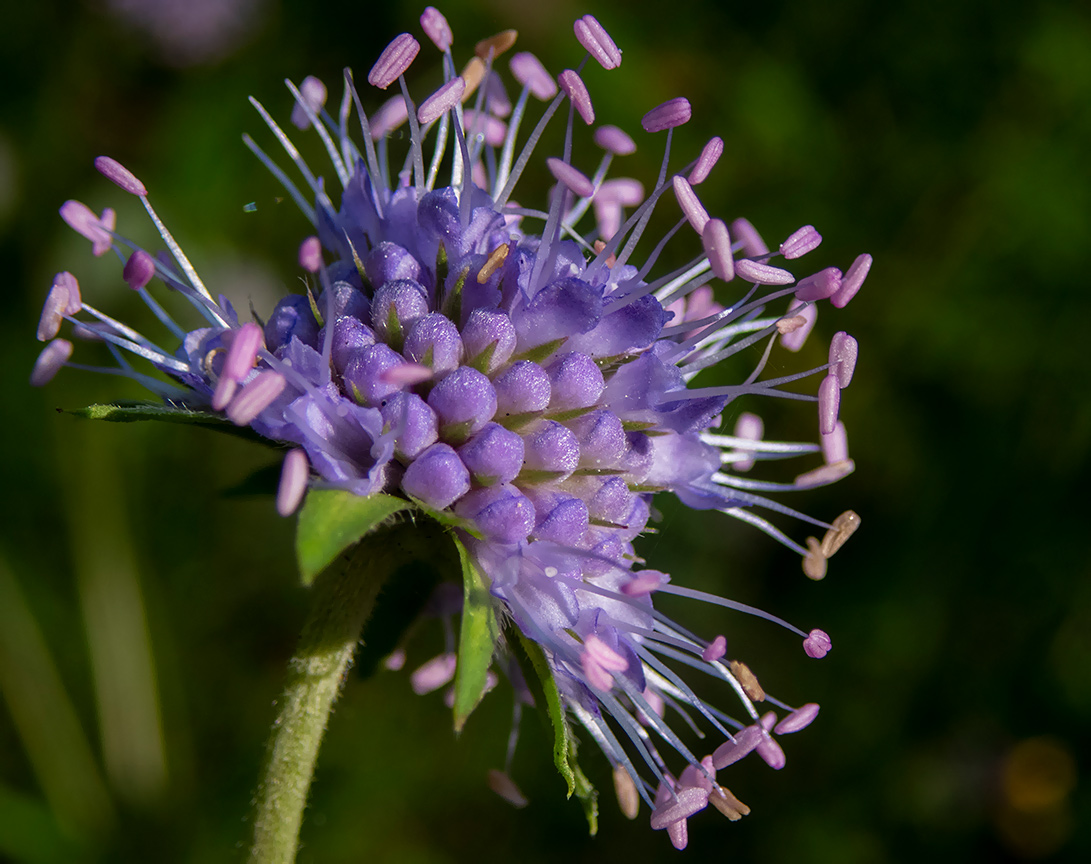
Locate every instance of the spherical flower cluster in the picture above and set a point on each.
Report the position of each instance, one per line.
(530, 383)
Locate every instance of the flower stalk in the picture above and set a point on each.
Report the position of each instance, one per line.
(343, 598)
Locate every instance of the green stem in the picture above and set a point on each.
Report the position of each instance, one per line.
(344, 596)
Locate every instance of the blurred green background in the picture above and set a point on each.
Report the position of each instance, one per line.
(146, 616)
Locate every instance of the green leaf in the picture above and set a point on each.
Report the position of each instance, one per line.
(586, 792)
(332, 520)
(564, 742)
(476, 641)
(133, 412)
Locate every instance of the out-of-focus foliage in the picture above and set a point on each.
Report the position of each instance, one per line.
(146, 616)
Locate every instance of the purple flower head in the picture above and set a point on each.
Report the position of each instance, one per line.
(521, 369)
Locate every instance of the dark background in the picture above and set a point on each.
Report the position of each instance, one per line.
(146, 616)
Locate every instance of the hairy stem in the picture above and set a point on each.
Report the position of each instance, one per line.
(343, 598)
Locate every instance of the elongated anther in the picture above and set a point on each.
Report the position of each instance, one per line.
(790, 325)
(243, 352)
(722, 799)
(852, 281)
(392, 63)
(794, 339)
(49, 362)
(715, 649)
(574, 88)
(621, 190)
(444, 99)
(671, 113)
(473, 73)
(82, 219)
(800, 242)
(293, 481)
(820, 285)
(814, 562)
(389, 116)
(505, 787)
(496, 45)
(835, 446)
(72, 286)
(593, 36)
(825, 474)
(572, 178)
(843, 527)
(310, 254)
(138, 270)
(53, 311)
(747, 680)
(843, 353)
(255, 397)
(314, 95)
(799, 719)
(113, 170)
(762, 274)
(752, 244)
(628, 799)
(829, 401)
(691, 205)
(614, 140)
(529, 72)
(710, 155)
(436, 28)
(717, 244)
(499, 256)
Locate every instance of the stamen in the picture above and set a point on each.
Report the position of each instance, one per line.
(83, 221)
(49, 362)
(113, 170)
(614, 140)
(710, 155)
(691, 205)
(814, 562)
(473, 73)
(593, 36)
(835, 446)
(505, 787)
(817, 644)
(800, 242)
(436, 28)
(628, 799)
(573, 179)
(499, 256)
(819, 286)
(293, 481)
(717, 245)
(53, 311)
(138, 270)
(444, 99)
(762, 274)
(843, 353)
(574, 88)
(752, 244)
(854, 278)
(312, 94)
(670, 114)
(829, 401)
(723, 800)
(529, 71)
(715, 649)
(496, 45)
(310, 254)
(799, 719)
(747, 680)
(255, 397)
(392, 63)
(844, 526)
(794, 339)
